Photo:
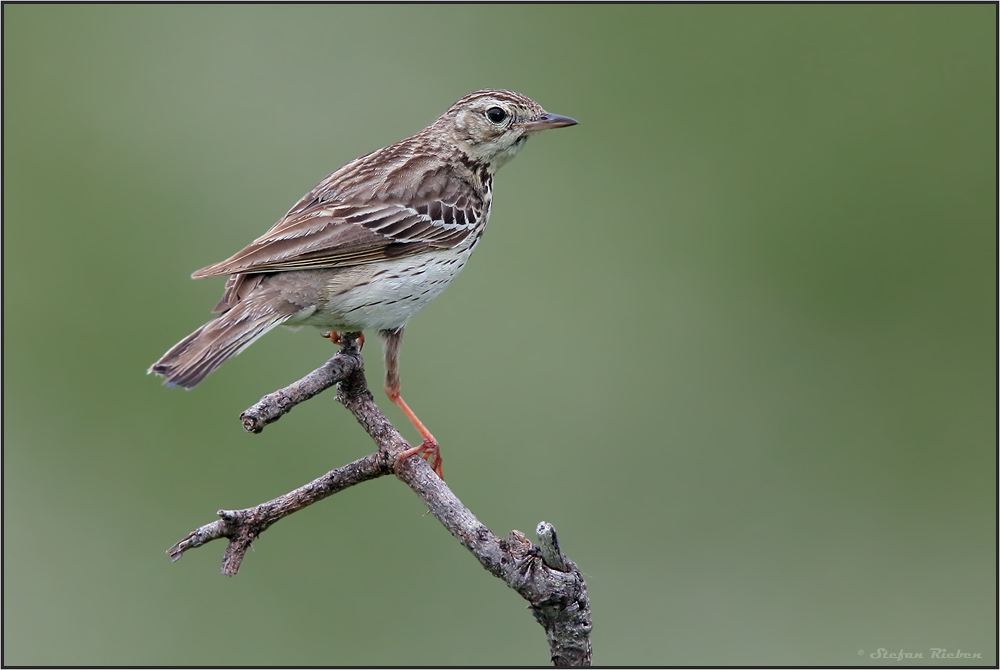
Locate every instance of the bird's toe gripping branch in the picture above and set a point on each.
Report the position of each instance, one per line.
(428, 449)
(334, 337)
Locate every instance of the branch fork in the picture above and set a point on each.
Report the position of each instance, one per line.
(542, 575)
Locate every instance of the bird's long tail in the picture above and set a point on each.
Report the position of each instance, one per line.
(193, 358)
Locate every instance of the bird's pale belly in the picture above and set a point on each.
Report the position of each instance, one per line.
(381, 296)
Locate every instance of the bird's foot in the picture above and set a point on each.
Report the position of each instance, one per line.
(334, 337)
(429, 451)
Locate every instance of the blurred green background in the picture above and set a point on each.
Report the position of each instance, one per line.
(734, 334)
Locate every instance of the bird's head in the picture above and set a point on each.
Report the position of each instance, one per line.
(491, 126)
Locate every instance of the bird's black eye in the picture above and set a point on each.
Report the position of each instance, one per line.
(496, 115)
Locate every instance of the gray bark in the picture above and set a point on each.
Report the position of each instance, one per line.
(542, 575)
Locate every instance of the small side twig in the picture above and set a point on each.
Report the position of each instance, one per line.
(542, 575)
(275, 405)
(244, 526)
(549, 544)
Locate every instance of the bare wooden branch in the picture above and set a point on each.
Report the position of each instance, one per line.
(244, 526)
(275, 405)
(564, 610)
(557, 598)
(542, 575)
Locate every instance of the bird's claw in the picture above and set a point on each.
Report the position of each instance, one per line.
(334, 337)
(429, 451)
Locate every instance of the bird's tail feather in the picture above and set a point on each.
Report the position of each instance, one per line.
(193, 358)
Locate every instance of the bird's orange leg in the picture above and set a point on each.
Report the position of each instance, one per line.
(334, 337)
(428, 449)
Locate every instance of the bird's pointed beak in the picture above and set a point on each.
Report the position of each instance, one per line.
(547, 121)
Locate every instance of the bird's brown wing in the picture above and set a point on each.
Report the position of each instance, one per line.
(337, 234)
(317, 234)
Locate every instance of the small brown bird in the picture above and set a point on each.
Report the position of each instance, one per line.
(371, 244)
